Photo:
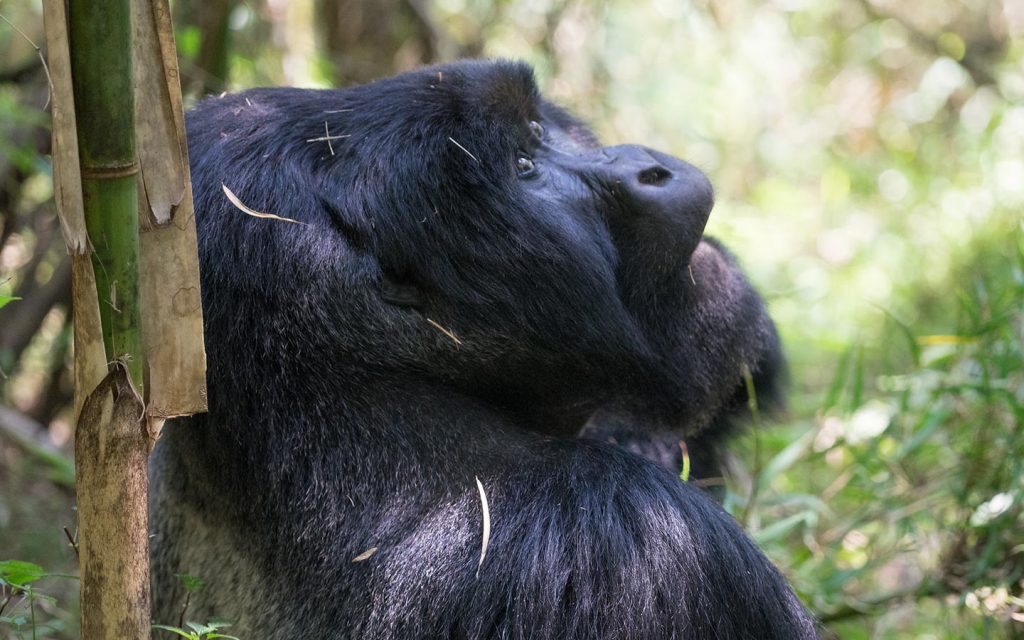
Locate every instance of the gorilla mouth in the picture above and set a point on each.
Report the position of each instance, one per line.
(703, 258)
(712, 267)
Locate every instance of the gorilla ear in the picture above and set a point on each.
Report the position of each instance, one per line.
(400, 292)
(394, 289)
(355, 232)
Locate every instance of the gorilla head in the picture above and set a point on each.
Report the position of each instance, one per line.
(471, 278)
(462, 228)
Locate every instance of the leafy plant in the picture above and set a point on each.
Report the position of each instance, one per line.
(904, 495)
(191, 584)
(196, 631)
(6, 299)
(19, 599)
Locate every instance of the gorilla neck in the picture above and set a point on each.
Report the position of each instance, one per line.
(390, 429)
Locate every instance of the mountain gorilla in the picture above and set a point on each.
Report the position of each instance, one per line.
(470, 279)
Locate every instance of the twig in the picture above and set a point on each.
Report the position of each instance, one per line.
(184, 608)
(456, 143)
(328, 137)
(447, 332)
(71, 540)
(487, 525)
(256, 214)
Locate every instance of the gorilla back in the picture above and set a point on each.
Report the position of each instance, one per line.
(471, 277)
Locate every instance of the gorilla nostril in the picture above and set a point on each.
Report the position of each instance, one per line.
(654, 176)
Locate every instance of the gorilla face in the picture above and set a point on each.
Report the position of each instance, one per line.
(474, 234)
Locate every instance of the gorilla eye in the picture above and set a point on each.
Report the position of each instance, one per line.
(536, 129)
(524, 165)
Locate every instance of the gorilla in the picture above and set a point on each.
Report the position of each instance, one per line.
(459, 279)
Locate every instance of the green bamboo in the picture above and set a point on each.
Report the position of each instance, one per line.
(101, 69)
(111, 446)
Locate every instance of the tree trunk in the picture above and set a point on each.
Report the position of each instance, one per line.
(370, 39)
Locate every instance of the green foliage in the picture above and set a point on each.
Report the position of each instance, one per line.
(910, 487)
(16, 573)
(20, 601)
(196, 631)
(191, 583)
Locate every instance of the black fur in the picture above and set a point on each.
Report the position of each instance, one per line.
(747, 338)
(441, 315)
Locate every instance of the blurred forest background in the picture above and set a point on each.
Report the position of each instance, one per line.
(868, 157)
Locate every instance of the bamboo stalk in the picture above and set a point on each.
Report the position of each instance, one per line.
(112, 443)
(101, 71)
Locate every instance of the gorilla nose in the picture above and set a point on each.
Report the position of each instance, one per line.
(660, 193)
(654, 176)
